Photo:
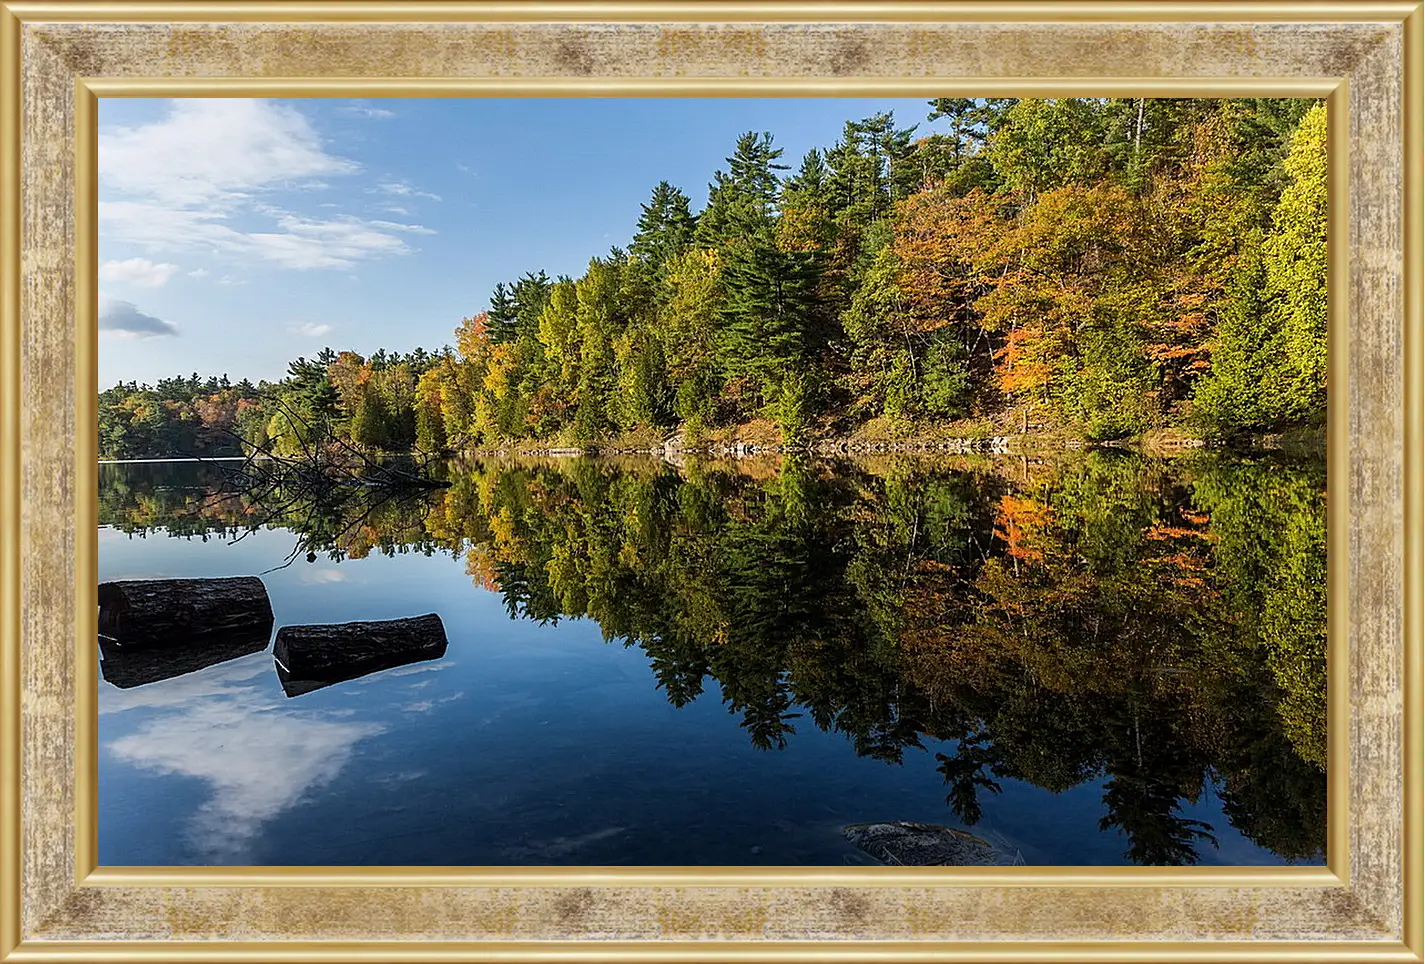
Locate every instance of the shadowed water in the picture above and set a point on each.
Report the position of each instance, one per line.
(1099, 660)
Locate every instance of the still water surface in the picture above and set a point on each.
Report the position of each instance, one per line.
(1104, 660)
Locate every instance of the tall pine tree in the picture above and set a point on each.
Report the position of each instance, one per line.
(665, 229)
(767, 313)
(743, 199)
(503, 316)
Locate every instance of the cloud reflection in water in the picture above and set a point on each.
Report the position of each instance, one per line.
(259, 757)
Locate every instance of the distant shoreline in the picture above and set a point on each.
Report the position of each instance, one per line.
(185, 458)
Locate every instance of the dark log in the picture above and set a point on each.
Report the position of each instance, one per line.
(166, 612)
(127, 668)
(310, 657)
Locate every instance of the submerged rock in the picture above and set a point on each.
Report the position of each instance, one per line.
(921, 845)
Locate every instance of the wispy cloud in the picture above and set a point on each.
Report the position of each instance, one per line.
(363, 108)
(123, 318)
(202, 175)
(335, 243)
(398, 226)
(138, 271)
(298, 242)
(311, 330)
(404, 189)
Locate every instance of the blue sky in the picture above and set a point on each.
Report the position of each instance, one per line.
(235, 235)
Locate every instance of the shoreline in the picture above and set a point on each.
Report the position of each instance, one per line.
(1161, 444)
(1164, 444)
(990, 445)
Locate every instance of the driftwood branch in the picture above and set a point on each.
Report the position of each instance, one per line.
(328, 479)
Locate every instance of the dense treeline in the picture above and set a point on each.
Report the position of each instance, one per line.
(1152, 629)
(1102, 267)
(179, 416)
(367, 401)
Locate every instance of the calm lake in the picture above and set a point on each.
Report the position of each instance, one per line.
(1103, 659)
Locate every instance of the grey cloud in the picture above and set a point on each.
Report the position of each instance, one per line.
(124, 318)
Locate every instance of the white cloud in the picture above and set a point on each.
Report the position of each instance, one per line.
(316, 331)
(138, 271)
(211, 151)
(363, 108)
(159, 227)
(204, 173)
(337, 243)
(408, 228)
(404, 189)
(298, 242)
(123, 318)
(198, 273)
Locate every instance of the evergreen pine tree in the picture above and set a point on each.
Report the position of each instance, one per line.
(767, 311)
(665, 228)
(531, 294)
(743, 199)
(503, 315)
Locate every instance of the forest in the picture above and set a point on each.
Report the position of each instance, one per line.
(1155, 628)
(1089, 268)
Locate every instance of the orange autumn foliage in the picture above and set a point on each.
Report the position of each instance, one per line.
(1020, 522)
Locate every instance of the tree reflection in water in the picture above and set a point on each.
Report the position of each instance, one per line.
(1153, 627)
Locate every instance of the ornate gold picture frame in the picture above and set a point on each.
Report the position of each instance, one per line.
(55, 903)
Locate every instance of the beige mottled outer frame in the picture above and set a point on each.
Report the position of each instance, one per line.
(55, 904)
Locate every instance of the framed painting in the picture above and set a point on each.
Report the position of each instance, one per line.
(711, 481)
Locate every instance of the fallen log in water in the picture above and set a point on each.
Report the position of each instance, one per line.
(166, 612)
(127, 668)
(310, 657)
